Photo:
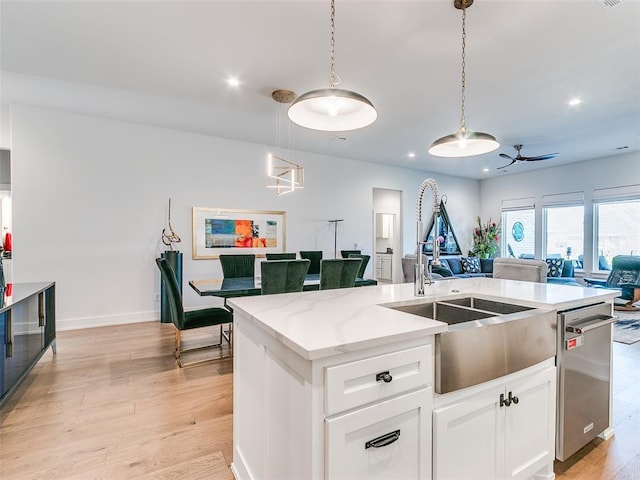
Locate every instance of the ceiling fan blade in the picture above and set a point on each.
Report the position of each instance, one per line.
(504, 155)
(513, 160)
(541, 157)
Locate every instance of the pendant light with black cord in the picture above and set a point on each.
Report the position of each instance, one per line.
(332, 109)
(463, 143)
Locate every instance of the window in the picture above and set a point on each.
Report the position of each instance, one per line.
(617, 230)
(518, 233)
(564, 233)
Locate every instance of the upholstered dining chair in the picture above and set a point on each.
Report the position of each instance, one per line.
(363, 266)
(346, 253)
(338, 272)
(205, 317)
(315, 256)
(283, 276)
(520, 269)
(241, 265)
(280, 256)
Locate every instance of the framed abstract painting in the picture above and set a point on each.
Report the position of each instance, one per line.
(223, 230)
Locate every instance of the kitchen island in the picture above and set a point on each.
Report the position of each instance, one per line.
(336, 384)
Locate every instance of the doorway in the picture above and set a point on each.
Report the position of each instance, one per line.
(387, 235)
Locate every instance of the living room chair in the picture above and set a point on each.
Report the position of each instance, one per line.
(363, 266)
(409, 266)
(315, 256)
(206, 317)
(526, 270)
(625, 277)
(283, 276)
(280, 256)
(338, 273)
(234, 266)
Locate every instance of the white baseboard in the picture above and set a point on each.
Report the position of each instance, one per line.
(106, 320)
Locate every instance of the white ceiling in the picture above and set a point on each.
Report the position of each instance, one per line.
(525, 60)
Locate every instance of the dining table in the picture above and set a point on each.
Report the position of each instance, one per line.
(247, 286)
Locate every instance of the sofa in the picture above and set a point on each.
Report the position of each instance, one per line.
(564, 276)
(559, 271)
(464, 267)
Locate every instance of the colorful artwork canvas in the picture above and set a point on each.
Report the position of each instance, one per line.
(217, 231)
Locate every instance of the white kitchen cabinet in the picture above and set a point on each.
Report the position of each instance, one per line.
(477, 436)
(355, 415)
(384, 225)
(384, 270)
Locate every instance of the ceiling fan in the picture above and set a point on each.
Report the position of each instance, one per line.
(520, 158)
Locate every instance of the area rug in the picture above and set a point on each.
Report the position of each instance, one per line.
(626, 330)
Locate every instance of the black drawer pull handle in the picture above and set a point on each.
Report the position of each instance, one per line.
(384, 377)
(383, 440)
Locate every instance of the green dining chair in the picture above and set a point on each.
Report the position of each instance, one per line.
(363, 266)
(315, 256)
(234, 266)
(346, 253)
(282, 276)
(338, 272)
(280, 256)
(205, 317)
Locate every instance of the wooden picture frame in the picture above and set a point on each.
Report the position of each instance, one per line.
(225, 230)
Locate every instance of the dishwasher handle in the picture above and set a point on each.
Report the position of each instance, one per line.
(591, 324)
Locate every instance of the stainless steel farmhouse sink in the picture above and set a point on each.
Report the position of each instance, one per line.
(486, 338)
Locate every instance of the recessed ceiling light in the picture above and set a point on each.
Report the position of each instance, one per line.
(485, 170)
(411, 154)
(575, 101)
(233, 82)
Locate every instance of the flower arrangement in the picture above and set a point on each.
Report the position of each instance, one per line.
(485, 239)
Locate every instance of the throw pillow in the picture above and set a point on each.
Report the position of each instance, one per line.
(486, 265)
(441, 270)
(470, 264)
(554, 267)
(455, 265)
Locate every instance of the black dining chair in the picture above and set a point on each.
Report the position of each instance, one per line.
(363, 266)
(205, 317)
(338, 272)
(234, 266)
(315, 256)
(283, 276)
(280, 256)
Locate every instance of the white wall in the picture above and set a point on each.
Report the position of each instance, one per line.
(90, 197)
(615, 171)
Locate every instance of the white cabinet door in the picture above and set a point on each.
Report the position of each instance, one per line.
(468, 438)
(476, 438)
(387, 440)
(535, 414)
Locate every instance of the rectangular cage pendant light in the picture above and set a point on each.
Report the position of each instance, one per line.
(284, 176)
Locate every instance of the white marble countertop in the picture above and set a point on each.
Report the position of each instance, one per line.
(328, 322)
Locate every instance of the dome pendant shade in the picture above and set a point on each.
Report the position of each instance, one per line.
(464, 144)
(332, 110)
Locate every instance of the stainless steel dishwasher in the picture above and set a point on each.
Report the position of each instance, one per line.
(584, 376)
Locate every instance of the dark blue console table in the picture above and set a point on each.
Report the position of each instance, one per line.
(27, 329)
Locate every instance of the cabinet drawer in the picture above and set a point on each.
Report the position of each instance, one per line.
(390, 439)
(358, 383)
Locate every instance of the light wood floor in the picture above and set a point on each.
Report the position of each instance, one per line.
(113, 405)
